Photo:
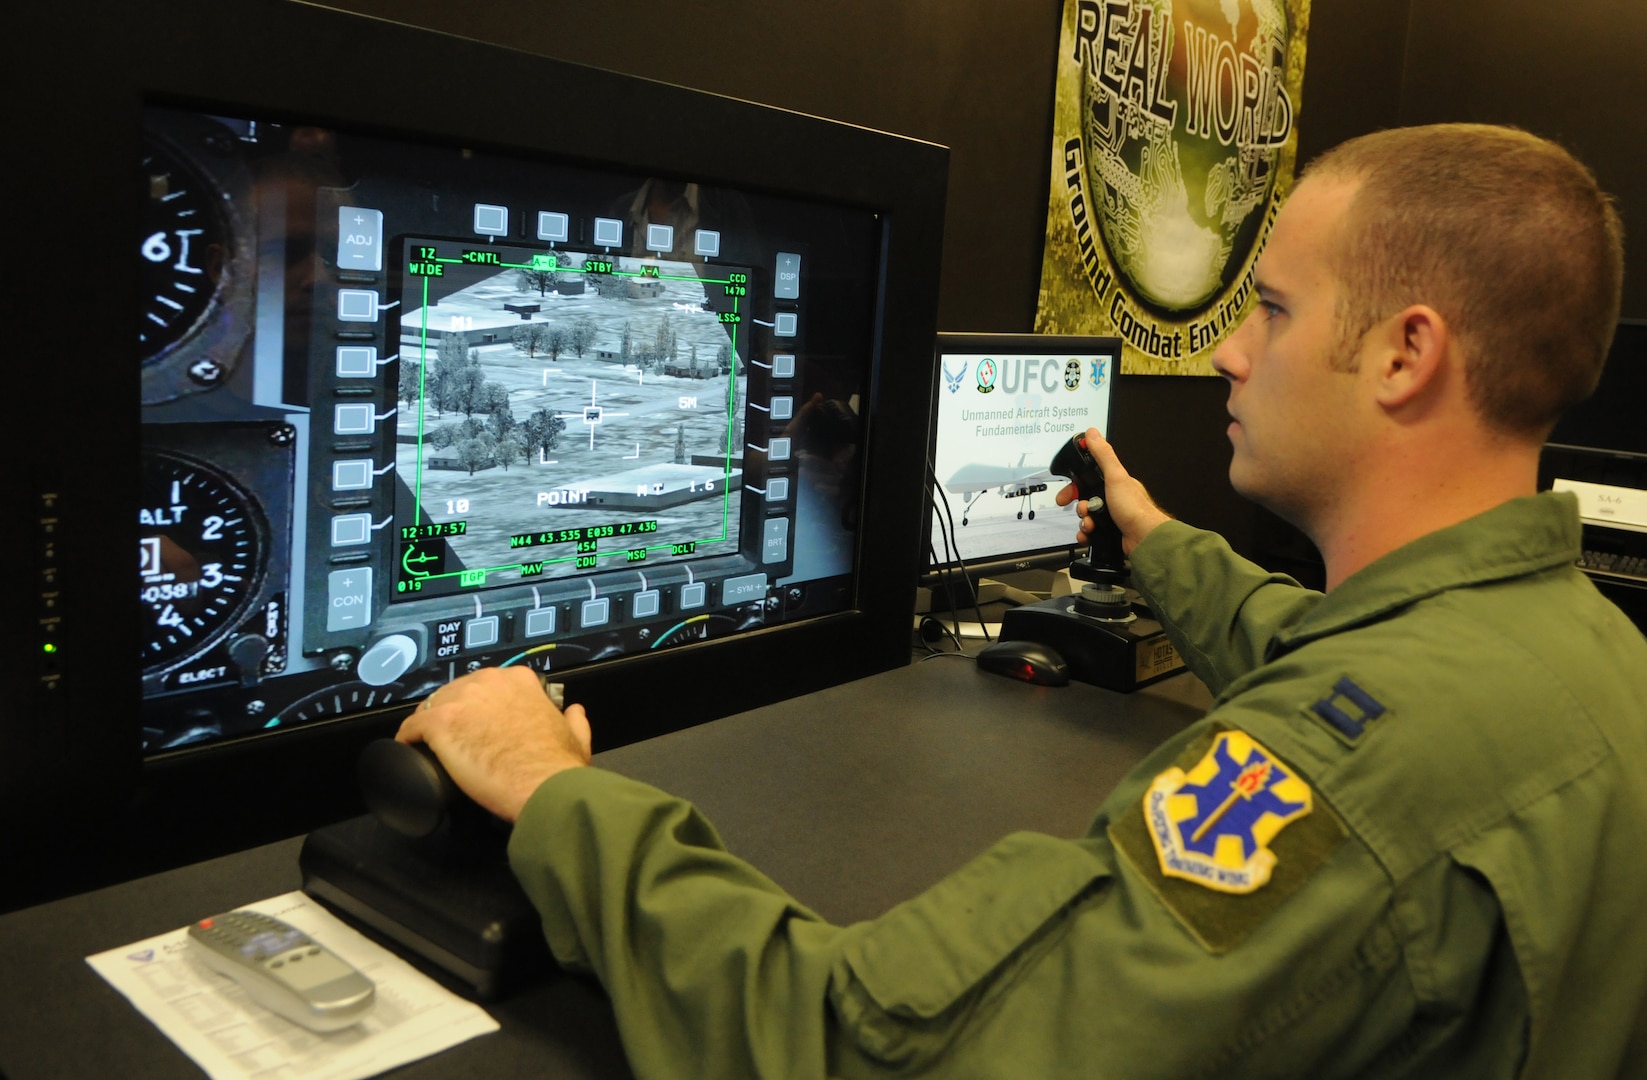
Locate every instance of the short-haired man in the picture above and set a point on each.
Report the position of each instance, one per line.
(1406, 839)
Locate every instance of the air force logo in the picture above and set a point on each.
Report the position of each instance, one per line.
(953, 379)
(1212, 824)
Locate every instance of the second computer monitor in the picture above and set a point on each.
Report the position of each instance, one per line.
(1003, 406)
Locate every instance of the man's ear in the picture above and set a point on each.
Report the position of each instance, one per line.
(1409, 355)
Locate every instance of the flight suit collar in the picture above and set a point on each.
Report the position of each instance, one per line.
(1522, 536)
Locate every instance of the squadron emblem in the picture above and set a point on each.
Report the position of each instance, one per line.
(1213, 823)
(986, 375)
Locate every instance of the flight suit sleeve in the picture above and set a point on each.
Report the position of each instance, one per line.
(711, 968)
(1040, 957)
(714, 971)
(1219, 609)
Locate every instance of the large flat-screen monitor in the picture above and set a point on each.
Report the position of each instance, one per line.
(1003, 405)
(433, 355)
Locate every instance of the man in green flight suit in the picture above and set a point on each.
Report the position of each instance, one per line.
(1406, 840)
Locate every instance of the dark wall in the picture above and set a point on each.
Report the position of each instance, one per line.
(1569, 72)
(977, 76)
(1572, 72)
(1352, 71)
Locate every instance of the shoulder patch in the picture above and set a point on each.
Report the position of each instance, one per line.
(1226, 835)
(1212, 824)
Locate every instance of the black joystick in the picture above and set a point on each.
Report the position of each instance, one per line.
(408, 790)
(406, 787)
(1100, 635)
(1106, 563)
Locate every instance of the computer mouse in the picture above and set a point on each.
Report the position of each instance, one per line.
(1029, 661)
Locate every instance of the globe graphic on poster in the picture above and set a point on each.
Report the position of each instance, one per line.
(1184, 117)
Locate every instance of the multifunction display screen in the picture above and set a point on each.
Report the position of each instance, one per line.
(410, 409)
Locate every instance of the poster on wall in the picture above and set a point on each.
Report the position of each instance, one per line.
(1174, 143)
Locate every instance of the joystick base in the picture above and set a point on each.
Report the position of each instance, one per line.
(1114, 654)
(450, 901)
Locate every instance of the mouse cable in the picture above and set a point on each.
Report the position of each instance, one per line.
(932, 631)
(942, 655)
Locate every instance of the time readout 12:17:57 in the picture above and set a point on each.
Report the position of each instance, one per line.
(433, 528)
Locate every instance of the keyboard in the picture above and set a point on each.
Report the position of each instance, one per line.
(1607, 562)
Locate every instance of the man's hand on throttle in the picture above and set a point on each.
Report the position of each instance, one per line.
(499, 736)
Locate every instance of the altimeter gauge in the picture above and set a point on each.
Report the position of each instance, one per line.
(201, 544)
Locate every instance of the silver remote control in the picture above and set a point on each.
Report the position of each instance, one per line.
(284, 970)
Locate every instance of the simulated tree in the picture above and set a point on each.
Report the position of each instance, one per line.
(531, 338)
(479, 452)
(556, 342)
(452, 379)
(527, 279)
(542, 431)
(411, 380)
(583, 334)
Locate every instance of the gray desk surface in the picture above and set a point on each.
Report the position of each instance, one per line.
(853, 799)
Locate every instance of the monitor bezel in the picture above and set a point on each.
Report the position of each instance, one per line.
(75, 744)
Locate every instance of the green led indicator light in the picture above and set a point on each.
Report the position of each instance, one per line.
(50, 648)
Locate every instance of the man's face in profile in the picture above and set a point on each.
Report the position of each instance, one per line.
(1294, 410)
